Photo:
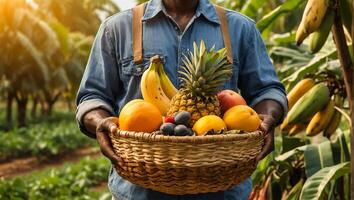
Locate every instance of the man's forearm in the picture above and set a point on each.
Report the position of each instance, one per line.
(270, 107)
(92, 118)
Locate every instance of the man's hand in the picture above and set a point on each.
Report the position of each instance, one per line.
(270, 112)
(267, 126)
(99, 124)
(104, 127)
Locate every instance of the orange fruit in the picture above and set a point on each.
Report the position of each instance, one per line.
(242, 117)
(208, 123)
(140, 116)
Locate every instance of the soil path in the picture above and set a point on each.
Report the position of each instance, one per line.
(23, 166)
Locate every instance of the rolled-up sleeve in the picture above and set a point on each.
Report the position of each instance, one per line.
(258, 80)
(100, 83)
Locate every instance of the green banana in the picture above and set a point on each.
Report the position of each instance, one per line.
(310, 103)
(319, 37)
(321, 120)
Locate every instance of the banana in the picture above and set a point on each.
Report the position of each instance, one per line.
(151, 88)
(285, 125)
(294, 95)
(299, 90)
(167, 85)
(310, 103)
(319, 37)
(297, 128)
(301, 35)
(313, 15)
(336, 118)
(321, 119)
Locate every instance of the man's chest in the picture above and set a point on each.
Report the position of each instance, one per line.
(163, 37)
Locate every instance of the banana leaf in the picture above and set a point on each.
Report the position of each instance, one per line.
(290, 143)
(340, 149)
(313, 66)
(252, 7)
(63, 36)
(317, 156)
(285, 8)
(314, 186)
(290, 154)
(35, 53)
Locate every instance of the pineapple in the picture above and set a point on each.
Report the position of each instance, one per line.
(202, 74)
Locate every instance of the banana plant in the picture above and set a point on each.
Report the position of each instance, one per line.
(28, 44)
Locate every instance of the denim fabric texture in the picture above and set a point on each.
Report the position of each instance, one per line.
(111, 78)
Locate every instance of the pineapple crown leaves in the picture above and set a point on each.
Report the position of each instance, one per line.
(203, 72)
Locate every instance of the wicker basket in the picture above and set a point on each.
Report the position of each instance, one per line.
(189, 164)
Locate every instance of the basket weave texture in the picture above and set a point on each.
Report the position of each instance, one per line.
(189, 164)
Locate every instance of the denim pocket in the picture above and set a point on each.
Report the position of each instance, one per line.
(130, 70)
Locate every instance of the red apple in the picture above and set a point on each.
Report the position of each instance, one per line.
(229, 98)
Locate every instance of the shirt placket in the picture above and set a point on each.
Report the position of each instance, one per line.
(182, 41)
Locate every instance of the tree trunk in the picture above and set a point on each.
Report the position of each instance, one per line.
(9, 101)
(49, 102)
(34, 107)
(21, 111)
(348, 74)
(69, 104)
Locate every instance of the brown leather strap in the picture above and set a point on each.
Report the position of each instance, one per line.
(138, 12)
(225, 31)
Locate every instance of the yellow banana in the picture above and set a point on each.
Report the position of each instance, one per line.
(167, 85)
(309, 104)
(314, 13)
(285, 125)
(151, 88)
(301, 35)
(320, 120)
(294, 95)
(297, 128)
(333, 125)
(336, 118)
(299, 90)
(319, 37)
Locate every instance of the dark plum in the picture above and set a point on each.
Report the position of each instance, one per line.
(181, 130)
(183, 118)
(167, 128)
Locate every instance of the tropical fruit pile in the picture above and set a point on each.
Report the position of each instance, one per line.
(312, 108)
(317, 21)
(198, 107)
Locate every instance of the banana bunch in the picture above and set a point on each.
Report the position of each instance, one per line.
(317, 20)
(156, 87)
(312, 109)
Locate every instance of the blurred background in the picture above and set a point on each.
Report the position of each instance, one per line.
(44, 47)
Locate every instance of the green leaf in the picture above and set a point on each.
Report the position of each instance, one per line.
(63, 36)
(251, 7)
(286, 7)
(314, 186)
(340, 149)
(290, 154)
(309, 68)
(35, 53)
(317, 156)
(290, 143)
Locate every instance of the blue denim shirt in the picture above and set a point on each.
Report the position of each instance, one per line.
(111, 78)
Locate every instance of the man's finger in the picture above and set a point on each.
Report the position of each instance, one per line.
(267, 148)
(106, 147)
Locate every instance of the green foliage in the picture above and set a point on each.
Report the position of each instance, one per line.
(287, 7)
(69, 182)
(314, 187)
(45, 139)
